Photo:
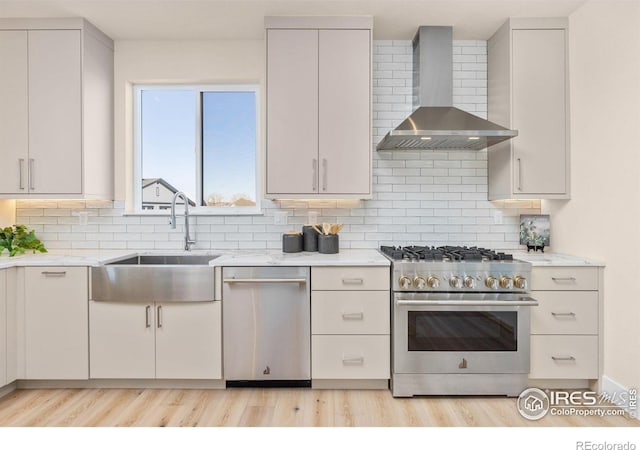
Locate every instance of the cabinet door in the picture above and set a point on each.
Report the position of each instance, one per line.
(3, 327)
(14, 117)
(56, 323)
(122, 338)
(55, 107)
(189, 340)
(344, 112)
(292, 112)
(539, 111)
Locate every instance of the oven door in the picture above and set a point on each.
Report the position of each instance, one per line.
(461, 333)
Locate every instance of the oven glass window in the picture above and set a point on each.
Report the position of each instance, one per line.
(479, 331)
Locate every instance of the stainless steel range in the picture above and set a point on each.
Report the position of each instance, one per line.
(460, 321)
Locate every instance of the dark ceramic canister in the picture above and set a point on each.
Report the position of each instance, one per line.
(328, 243)
(309, 239)
(291, 243)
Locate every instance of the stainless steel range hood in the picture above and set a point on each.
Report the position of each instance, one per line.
(435, 124)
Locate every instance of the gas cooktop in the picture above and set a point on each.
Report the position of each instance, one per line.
(455, 269)
(444, 254)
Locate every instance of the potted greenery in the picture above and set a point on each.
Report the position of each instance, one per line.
(18, 239)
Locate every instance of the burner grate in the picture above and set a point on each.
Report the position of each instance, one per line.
(444, 253)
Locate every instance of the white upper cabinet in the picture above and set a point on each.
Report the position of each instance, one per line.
(528, 91)
(318, 107)
(56, 118)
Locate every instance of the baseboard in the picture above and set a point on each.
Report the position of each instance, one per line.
(8, 389)
(543, 383)
(350, 384)
(121, 384)
(613, 389)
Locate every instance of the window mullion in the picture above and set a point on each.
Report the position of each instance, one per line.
(198, 149)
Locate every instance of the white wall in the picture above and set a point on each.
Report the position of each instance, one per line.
(602, 219)
(173, 62)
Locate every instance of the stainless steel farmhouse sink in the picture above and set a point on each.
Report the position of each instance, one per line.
(169, 278)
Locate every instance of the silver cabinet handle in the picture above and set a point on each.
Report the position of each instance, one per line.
(563, 358)
(54, 274)
(314, 179)
(324, 174)
(555, 314)
(159, 317)
(31, 174)
(353, 361)
(21, 170)
(353, 316)
(505, 303)
(264, 280)
(519, 174)
(147, 319)
(558, 279)
(352, 281)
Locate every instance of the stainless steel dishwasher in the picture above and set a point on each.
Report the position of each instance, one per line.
(266, 326)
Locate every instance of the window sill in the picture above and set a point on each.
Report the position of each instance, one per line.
(230, 212)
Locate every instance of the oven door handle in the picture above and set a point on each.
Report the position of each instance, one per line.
(526, 301)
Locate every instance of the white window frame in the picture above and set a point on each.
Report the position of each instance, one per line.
(137, 148)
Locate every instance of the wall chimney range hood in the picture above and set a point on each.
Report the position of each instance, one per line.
(434, 123)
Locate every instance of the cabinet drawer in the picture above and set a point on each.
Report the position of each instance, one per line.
(350, 312)
(564, 279)
(573, 357)
(349, 278)
(568, 312)
(355, 357)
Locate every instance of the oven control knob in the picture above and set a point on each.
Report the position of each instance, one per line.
(433, 282)
(455, 282)
(469, 282)
(418, 283)
(506, 282)
(491, 282)
(405, 282)
(520, 282)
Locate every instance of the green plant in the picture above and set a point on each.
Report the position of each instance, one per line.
(18, 239)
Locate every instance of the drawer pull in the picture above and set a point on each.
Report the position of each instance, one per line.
(353, 361)
(353, 316)
(560, 279)
(54, 274)
(563, 314)
(352, 281)
(563, 358)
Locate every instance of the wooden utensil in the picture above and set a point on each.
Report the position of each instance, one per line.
(326, 228)
(339, 228)
(315, 227)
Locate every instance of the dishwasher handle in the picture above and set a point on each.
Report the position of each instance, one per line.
(264, 280)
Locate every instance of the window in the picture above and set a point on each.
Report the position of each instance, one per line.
(201, 140)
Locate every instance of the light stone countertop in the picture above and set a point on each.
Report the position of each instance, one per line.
(346, 257)
(554, 259)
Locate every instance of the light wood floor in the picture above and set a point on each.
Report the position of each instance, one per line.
(265, 407)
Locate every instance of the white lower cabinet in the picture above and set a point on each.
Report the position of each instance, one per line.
(189, 340)
(344, 357)
(156, 340)
(566, 325)
(122, 340)
(3, 327)
(350, 323)
(56, 323)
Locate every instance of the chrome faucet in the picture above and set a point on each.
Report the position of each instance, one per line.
(188, 242)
